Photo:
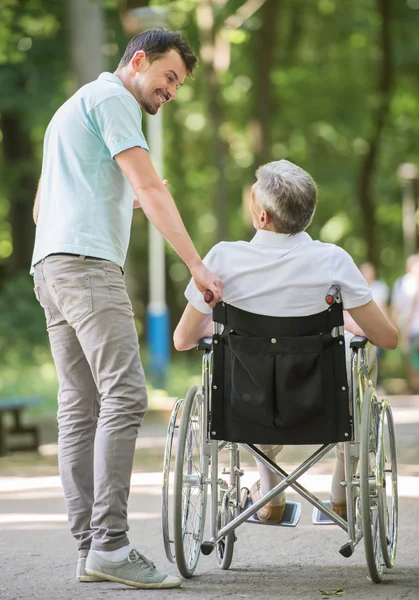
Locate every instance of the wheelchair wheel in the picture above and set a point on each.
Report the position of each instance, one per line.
(387, 485)
(190, 483)
(168, 467)
(225, 547)
(368, 484)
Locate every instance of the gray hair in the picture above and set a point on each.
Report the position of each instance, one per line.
(288, 194)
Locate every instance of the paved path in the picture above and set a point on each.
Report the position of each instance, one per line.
(37, 554)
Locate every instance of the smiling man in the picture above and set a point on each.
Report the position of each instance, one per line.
(95, 163)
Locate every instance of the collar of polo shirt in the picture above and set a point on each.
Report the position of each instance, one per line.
(279, 240)
(110, 77)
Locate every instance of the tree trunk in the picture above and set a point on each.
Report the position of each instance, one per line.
(22, 181)
(263, 89)
(87, 35)
(368, 165)
(214, 112)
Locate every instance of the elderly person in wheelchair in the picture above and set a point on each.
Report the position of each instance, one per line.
(283, 273)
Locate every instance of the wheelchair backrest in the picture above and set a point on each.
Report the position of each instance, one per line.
(279, 380)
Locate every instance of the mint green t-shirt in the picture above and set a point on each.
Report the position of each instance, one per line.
(86, 203)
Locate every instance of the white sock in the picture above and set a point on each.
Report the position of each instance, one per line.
(115, 555)
(269, 480)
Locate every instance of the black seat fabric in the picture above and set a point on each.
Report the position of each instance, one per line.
(279, 380)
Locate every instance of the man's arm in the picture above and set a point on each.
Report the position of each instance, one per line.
(375, 325)
(35, 211)
(192, 327)
(160, 208)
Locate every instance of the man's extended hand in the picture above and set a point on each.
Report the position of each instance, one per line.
(206, 280)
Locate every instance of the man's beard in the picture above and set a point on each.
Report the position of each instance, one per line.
(149, 108)
(145, 104)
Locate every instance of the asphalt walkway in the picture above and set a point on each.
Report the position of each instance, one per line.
(38, 556)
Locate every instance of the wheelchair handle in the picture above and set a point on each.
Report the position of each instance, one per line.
(333, 295)
(208, 296)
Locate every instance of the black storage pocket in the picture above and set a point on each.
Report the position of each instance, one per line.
(277, 383)
(298, 382)
(252, 380)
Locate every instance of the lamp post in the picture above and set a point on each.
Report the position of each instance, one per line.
(408, 174)
(134, 21)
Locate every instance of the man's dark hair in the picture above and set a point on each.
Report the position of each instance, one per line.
(156, 43)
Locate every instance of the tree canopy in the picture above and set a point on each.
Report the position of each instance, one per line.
(329, 84)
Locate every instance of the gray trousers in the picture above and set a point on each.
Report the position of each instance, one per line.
(102, 396)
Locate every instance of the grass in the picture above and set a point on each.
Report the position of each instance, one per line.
(38, 378)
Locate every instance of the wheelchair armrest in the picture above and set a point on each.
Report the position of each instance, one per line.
(205, 344)
(358, 342)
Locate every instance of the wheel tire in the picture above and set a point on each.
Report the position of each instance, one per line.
(168, 467)
(225, 548)
(368, 486)
(387, 476)
(188, 533)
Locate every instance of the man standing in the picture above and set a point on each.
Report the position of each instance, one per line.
(95, 161)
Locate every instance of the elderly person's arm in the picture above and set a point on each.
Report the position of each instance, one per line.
(375, 325)
(351, 326)
(192, 327)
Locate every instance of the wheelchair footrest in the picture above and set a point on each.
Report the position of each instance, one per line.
(291, 516)
(320, 518)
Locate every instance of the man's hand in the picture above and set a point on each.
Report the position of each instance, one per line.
(137, 203)
(206, 280)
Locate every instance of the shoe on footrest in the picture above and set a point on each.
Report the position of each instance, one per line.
(339, 508)
(270, 513)
(136, 570)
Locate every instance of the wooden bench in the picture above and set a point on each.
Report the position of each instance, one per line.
(15, 405)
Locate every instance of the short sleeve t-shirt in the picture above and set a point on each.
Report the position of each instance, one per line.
(282, 275)
(86, 203)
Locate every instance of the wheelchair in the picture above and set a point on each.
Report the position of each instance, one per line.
(278, 380)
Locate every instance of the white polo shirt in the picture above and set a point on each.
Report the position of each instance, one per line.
(282, 275)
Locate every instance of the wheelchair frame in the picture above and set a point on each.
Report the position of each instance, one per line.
(370, 467)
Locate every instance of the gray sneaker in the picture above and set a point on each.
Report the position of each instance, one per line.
(135, 570)
(81, 574)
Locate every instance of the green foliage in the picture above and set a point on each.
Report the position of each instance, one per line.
(324, 87)
(22, 321)
(26, 367)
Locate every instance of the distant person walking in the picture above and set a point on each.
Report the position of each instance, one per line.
(95, 167)
(405, 314)
(379, 289)
(380, 295)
